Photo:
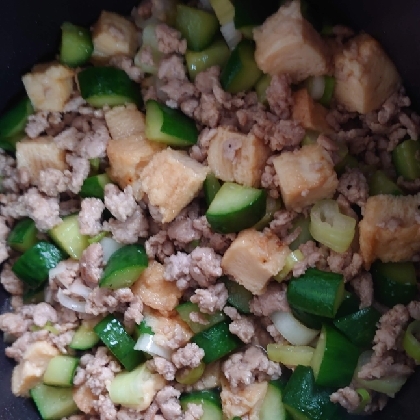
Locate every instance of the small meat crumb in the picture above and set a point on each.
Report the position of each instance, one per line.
(363, 286)
(347, 397)
(211, 299)
(163, 367)
(91, 264)
(122, 205)
(274, 299)
(90, 216)
(189, 356)
(169, 40)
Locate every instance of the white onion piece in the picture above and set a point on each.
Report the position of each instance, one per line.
(146, 343)
(48, 295)
(80, 289)
(292, 330)
(54, 273)
(70, 303)
(317, 87)
(231, 34)
(109, 246)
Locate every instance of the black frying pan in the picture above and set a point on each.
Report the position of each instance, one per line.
(29, 33)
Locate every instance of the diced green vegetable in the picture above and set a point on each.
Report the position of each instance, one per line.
(124, 267)
(197, 26)
(380, 183)
(238, 296)
(53, 403)
(85, 337)
(33, 266)
(23, 235)
(271, 207)
(14, 121)
(292, 259)
(94, 186)
(209, 401)
(211, 187)
(169, 126)
(261, 88)
(290, 355)
(121, 345)
(60, 371)
(216, 341)
(216, 54)
(101, 86)
(394, 282)
(8, 144)
(348, 161)
(406, 160)
(317, 292)
(76, 45)
(349, 305)
(328, 91)
(312, 321)
(335, 359)
(185, 309)
(241, 72)
(190, 376)
(301, 222)
(68, 237)
(411, 342)
(272, 407)
(236, 207)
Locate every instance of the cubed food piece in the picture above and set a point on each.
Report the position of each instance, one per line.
(124, 121)
(49, 86)
(113, 35)
(171, 180)
(390, 228)
(365, 76)
(38, 154)
(287, 43)
(155, 291)
(32, 367)
(127, 158)
(236, 157)
(243, 402)
(253, 258)
(305, 176)
(310, 114)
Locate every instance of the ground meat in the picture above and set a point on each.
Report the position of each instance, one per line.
(386, 365)
(37, 123)
(93, 144)
(189, 356)
(64, 274)
(182, 231)
(12, 179)
(244, 328)
(134, 314)
(363, 286)
(274, 299)
(414, 309)
(103, 300)
(242, 369)
(68, 139)
(211, 299)
(126, 63)
(128, 232)
(269, 179)
(201, 267)
(391, 326)
(44, 211)
(11, 283)
(353, 185)
(90, 216)
(15, 323)
(105, 408)
(281, 225)
(199, 150)
(91, 264)
(52, 182)
(96, 371)
(167, 400)
(172, 68)
(169, 40)
(80, 171)
(279, 95)
(121, 204)
(159, 246)
(43, 313)
(19, 346)
(163, 367)
(347, 397)
(348, 264)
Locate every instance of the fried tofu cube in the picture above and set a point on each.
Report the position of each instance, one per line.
(49, 86)
(154, 291)
(38, 154)
(128, 157)
(287, 43)
(310, 114)
(365, 75)
(243, 402)
(171, 180)
(390, 229)
(253, 258)
(32, 367)
(305, 176)
(124, 121)
(236, 157)
(113, 35)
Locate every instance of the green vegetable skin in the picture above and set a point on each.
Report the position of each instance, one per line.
(60, 371)
(93, 186)
(124, 267)
(185, 309)
(380, 183)
(211, 187)
(272, 407)
(406, 159)
(23, 235)
(209, 400)
(238, 296)
(76, 45)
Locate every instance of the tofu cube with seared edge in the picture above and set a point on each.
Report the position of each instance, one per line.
(254, 258)
(365, 76)
(390, 228)
(124, 121)
(113, 35)
(305, 176)
(49, 86)
(237, 157)
(171, 180)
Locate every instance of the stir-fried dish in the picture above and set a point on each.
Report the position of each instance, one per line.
(209, 211)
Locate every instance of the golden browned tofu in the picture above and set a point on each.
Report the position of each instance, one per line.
(287, 43)
(127, 158)
(365, 76)
(32, 367)
(124, 121)
(243, 402)
(171, 180)
(305, 176)
(113, 35)
(38, 154)
(310, 114)
(253, 258)
(49, 86)
(236, 157)
(390, 228)
(155, 291)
